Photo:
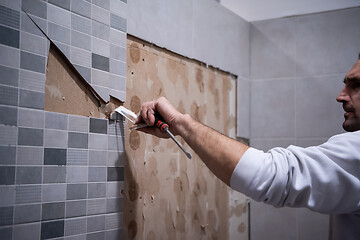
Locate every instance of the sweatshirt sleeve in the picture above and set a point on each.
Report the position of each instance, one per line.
(323, 178)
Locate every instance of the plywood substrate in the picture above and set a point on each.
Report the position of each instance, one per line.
(168, 196)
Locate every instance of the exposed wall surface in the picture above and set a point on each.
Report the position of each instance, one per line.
(297, 68)
(61, 175)
(168, 196)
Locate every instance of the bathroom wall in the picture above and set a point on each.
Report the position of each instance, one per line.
(297, 65)
(61, 175)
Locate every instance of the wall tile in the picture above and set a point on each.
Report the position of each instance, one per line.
(115, 174)
(35, 7)
(54, 174)
(75, 208)
(118, 22)
(76, 191)
(51, 211)
(30, 155)
(6, 216)
(112, 221)
(9, 76)
(28, 175)
(30, 136)
(78, 123)
(55, 156)
(6, 232)
(27, 194)
(7, 194)
(102, 3)
(9, 17)
(100, 47)
(117, 67)
(8, 115)
(116, 127)
(77, 140)
(117, 37)
(27, 213)
(8, 155)
(97, 158)
(59, 15)
(80, 40)
(55, 138)
(117, 52)
(28, 26)
(33, 43)
(10, 57)
(104, 92)
(113, 189)
(56, 120)
(9, 37)
(7, 175)
(96, 206)
(32, 62)
(96, 190)
(75, 226)
(80, 57)
(100, 14)
(76, 237)
(117, 83)
(115, 233)
(116, 143)
(8, 135)
(54, 193)
(81, 7)
(31, 118)
(98, 125)
(52, 229)
(96, 223)
(9, 95)
(59, 33)
(119, 8)
(100, 30)
(61, 3)
(97, 174)
(80, 24)
(64, 48)
(76, 174)
(96, 236)
(77, 157)
(31, 99)
(100, 78)
(114, 205)
(27, 231)
(32, 80)
(84, 72)
(100, 62)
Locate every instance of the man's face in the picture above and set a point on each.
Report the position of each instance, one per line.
(350, 98)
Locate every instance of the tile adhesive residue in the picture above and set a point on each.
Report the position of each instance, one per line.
(168, 196)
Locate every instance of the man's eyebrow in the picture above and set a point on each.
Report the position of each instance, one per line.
(352, 79)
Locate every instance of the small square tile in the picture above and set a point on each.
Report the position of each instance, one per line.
(119, 8)
(117, 37)
(30, 136)
(118, 22)
(55, 138)
(96, 206)
(32, 62)
(51, 211)
(84, 72)
(9, 17)
(55, 156)
(96, 190)
(34, 7)
(7, 194)
(115, 174)
(52, 229)
(10, 57)
(9, 76)
(28, 175)
(81, 7)
(59, 33)
(77, 157)
(75, 226)
(78, 123)
(100, 30)
(75, 208)
(56, 120)
(80, 40)
(33, 43)
(80, 57)
(98, 125)
(8, 155)
(81, 24)
(30, 155)
(100, 78)
(54, 174)
(8, 135)
(117, 52)
(114, 205)
(27, 194)
(97, 174)
(61, 3)
(7, 175)
(54, 193)
(117, 67)
(116, 143)
(28, 26)
(31, 118)
(113, 221)
(27, 213)
(9, 95)
(31, 99)
(78, 140)
(6, 232)
(59, 15)
(76, 174)
(8, 115)
(96, 223)
(100, 14)
(97, 158)
(116, 159)
(27, 231)
(33, 81)
(6, 216)
(100, 62)
(9, 37)
(76, 191)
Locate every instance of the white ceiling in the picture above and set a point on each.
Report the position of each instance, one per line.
(254, 10)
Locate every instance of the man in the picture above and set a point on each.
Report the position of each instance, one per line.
(324, 178)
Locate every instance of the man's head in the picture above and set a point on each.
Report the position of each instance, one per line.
(350, 98)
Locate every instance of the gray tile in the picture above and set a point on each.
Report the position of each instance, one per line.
(75, 226)
(12, 4)
(76, 174)
(98, 125)
(32, 62)
(54, 156)
(9, 17)
(117, 37)
(113, 189)
(96, 206)
(56, 120)
(117, 52)
(114, 205)
(33, 43)
(27, 231)
(100, 78)
(118, 22)
(8, 135)
(81, 24)
(7, 175)
(314, 225)
(8, 155)
(78, 123)
(81, 7)
(104, 92)
(64, 48)
(116, 159)
(31, 118)
(96, 223)
(9, 95)
(7, 194)
(100, 14)
(116, 143)
(96, 236)
(80, 40)
(28, 194)
(10, 57)
(80, 57)
(6, 232)
(119, 8)
(27, 213)
(61, 3)
(55, 138)
(9, 37)
(100, 30)
(100, 62)
(84, 72)
(28, 175)
(52, 211)
(97, 158)
(76, 191)
(52, 229)
(118, 83)
(28, 26)
(96, 190)
(115, 174)
(31, 99)
(53, 192)
(9, 76)
(54, 174)
(59, 15)
(30, 136)
(115, 233)
(117, 67)
(32, 80)
(59, 33)
(113, 221)
(6, 216)
(97, 174)
(102, 3)
(8, 115)
(116, 127)
(78, 140)
(30, 155)
(34, 7)
(75, 208)
(100, 47)
(77, 157)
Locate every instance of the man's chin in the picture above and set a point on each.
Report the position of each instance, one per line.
(350, 126)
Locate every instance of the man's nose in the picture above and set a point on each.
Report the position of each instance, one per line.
(343, 96)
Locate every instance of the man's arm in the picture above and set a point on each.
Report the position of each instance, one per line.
(220, 153)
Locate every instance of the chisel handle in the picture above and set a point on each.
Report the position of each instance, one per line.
(160, 123)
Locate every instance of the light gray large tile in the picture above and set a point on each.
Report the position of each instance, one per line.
(116, 143)
(117, 67)
(77, 157)
(100, 78)
(96, 206)
(59, 33)
(8, 135)
(31, 118)
(59, 15)
(54, 174)
(317, 112)
(80, 40)
(102, 3)
(96, 190)
(27, 213)
(80, 57)
(30, 155)
(53, 192)
(9, 57)
(12, 4)
(113, 221)
(55, 138)
(97, 174)
(100, 14)
(75, 226)
(117, 52)
(97, 158)
(33, 43)
(272, 105)
(28, 26)
(312, 225)
(119, 8)
(118, 22)
(81, 7)
(117, 37)
(96, 223)
(28, 194)
(113, 189)
(32, 80)
(76, 191)
(78, 123)
(27, 231)
(35, 7)
(31, 99)
(56, 120)
(75, 208)
(76, 174)
(81, 24)
(98, 141)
